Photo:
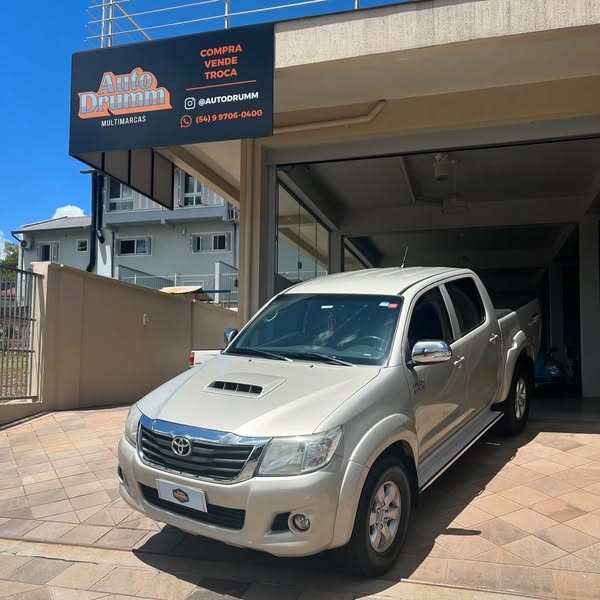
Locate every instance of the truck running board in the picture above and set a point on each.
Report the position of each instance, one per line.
(435, 464)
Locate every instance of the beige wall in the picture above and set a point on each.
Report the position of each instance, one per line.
(97, 349)
(208, 325)
(394, 28)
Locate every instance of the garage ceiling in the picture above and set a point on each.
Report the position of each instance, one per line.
(514, 208)
(535, 171)
(467, 240)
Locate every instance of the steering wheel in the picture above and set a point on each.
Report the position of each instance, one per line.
(368, 339)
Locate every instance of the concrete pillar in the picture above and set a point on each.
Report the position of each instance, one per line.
(257, 227)
(556, 319)
(336, 252)
(589, 290)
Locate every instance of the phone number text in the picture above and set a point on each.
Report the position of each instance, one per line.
(229, 116)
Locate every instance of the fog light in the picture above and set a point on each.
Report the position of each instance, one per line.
(120, 475)
(301, 522)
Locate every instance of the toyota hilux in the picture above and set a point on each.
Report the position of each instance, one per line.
(324, 418)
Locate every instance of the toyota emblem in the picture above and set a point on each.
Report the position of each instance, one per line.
(181, 446)
(180, 496)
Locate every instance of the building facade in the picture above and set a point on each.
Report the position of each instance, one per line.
(426, 133)
(140, 242)
(65, 240)
(429, 133)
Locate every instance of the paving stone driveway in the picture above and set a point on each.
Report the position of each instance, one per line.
(515, 515)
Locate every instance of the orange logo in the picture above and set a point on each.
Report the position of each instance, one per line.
(126, 94)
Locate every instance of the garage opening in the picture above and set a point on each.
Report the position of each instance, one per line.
(524, 217)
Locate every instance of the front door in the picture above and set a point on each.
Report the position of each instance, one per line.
(480, 336)
(438, 390)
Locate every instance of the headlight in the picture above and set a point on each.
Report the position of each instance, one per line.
(300, 454)
(131, 424)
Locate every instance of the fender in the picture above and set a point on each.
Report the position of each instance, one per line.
(391, 429)
(382, 435)
(519, 346)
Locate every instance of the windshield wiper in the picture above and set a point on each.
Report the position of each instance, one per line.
(259, 352)
(329, 358)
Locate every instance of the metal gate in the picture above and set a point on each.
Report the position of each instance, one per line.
(19, 342)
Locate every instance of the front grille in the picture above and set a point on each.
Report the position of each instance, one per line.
(221, 462)
(229, 518)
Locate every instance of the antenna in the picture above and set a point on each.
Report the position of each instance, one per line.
(404, 259)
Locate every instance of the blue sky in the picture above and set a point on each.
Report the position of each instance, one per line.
(36, 172)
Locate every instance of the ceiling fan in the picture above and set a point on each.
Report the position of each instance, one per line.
(443, 168)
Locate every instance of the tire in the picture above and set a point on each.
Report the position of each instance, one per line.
(516, 405)
(369, 552)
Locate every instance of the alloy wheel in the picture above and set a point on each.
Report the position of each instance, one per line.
(384, 517)
(520, 398)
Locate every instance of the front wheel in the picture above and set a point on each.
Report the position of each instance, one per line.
(516, 409)
(381, 520)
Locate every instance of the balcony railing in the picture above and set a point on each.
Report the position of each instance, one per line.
(221, 286)
(114, 22)
(133, 201)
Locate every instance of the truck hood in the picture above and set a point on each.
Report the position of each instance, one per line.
(255, 397)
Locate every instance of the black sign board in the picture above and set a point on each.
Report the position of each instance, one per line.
(195, 88)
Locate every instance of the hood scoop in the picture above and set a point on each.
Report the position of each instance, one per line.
(232, 386)
(244, 384)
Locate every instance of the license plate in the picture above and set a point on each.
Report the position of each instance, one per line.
(182, 495)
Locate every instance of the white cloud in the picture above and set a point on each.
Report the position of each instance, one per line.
(2, 240)
(68, 211)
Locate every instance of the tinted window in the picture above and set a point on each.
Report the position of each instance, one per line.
(467, 304)
(429, 320)
(127, 247)
(44, 253)
(114, 189)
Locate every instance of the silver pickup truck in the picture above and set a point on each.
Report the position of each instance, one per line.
(328, 413)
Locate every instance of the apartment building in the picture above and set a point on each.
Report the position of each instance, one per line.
(141, 242)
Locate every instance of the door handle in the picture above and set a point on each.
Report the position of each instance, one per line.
(459, 361)
(494, 338)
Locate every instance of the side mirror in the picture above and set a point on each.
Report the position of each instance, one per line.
(230, 334)
(431, 352)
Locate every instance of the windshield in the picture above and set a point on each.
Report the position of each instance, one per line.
(348, 329)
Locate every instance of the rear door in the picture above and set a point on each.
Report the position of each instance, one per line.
(438, 390)
(480, 337)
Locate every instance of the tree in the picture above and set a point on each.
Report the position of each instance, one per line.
(11, 255)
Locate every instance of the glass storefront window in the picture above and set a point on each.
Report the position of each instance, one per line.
(351, 261)
(302, 243)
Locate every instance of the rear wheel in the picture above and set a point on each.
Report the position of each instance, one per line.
(381, 520)
(516, 406)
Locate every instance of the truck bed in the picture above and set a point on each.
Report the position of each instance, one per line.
(526, 319)
(197, 357)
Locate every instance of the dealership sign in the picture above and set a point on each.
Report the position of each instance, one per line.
(190, 89)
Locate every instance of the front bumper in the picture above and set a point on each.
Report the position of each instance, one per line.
(262, 498)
